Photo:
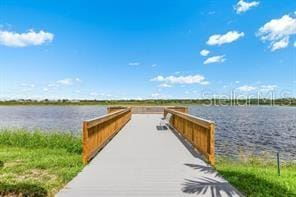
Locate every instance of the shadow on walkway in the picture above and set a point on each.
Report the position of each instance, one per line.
(202, 168)
(208, 185)
(187, 145)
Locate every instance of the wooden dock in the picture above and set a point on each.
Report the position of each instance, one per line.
(147, 158)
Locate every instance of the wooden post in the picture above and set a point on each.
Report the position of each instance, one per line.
(84, 143)
(165, 113)
(99, 131)
(199, 132)
(212, 144)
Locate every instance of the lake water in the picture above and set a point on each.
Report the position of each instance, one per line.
(253, 129)
(239, 129)
(49, 118)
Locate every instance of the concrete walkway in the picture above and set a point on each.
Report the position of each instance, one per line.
(146, 159)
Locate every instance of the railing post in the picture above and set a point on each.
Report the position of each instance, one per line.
(84, 143)
(199, 132)
(165, 113)
(98, 132)
(212, 144)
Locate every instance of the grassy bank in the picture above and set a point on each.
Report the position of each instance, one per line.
(257, 177)
(37, 164)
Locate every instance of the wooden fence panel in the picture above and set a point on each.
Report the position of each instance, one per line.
(197, 131)
(99, 131)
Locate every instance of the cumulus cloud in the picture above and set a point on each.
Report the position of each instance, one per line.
(243, 6)
(278, 32)
(153, 65)
(295, 44)
(204, 52)
(134, 63)
(246, 88)
(229, 37)
(189, 79)
(30, 38)
(215, 59)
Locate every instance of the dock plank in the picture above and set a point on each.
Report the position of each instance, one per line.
(144, 159)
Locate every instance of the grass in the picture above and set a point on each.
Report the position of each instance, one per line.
(40, 164)
(258, 177)
(37, 164)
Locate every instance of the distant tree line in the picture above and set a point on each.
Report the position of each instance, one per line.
(220, 102)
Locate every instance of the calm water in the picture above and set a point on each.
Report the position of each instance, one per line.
(58, 118)
(239, 129)
(253, 129)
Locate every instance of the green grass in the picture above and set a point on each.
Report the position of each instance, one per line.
(40, 164)
(37, 164)
(258, 177)
(37, 139)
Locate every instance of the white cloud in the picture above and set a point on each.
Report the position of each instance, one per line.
(158, 96)
(153, 65)
(45, 89)
(243, 6)
(51, 85)
(28, 85)
(278, 32)
(283, 43)
(30, 38)
(67, 82)
(78, 80)
(246, 88)
(204, 83)
(134, 63)
(204, 52)
(295, 44)
(215, 59)
(229, 37)
(267, 88)
(164, 85)
(189, 79)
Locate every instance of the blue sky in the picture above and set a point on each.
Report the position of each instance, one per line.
(147, 49)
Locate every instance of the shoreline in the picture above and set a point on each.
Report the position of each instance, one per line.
(144, 104)
(33, 154)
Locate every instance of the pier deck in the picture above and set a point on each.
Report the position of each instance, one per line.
(147, 159)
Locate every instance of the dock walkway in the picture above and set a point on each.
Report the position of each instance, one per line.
(147, 158)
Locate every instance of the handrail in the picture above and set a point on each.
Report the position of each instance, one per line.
(111, 109)
(99, 131)
(142, 109)
(197, 131)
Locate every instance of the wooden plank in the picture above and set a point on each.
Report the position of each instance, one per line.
(197, 131)
(143, 161)
(98, 132)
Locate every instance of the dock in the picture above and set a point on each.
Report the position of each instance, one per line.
(145, 155)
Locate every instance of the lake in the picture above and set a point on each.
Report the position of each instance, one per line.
(240, 130)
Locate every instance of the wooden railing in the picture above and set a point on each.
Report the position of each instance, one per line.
(114, 108)
(198, 132)
(147, 109)
(99, 131)
(179, 109)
